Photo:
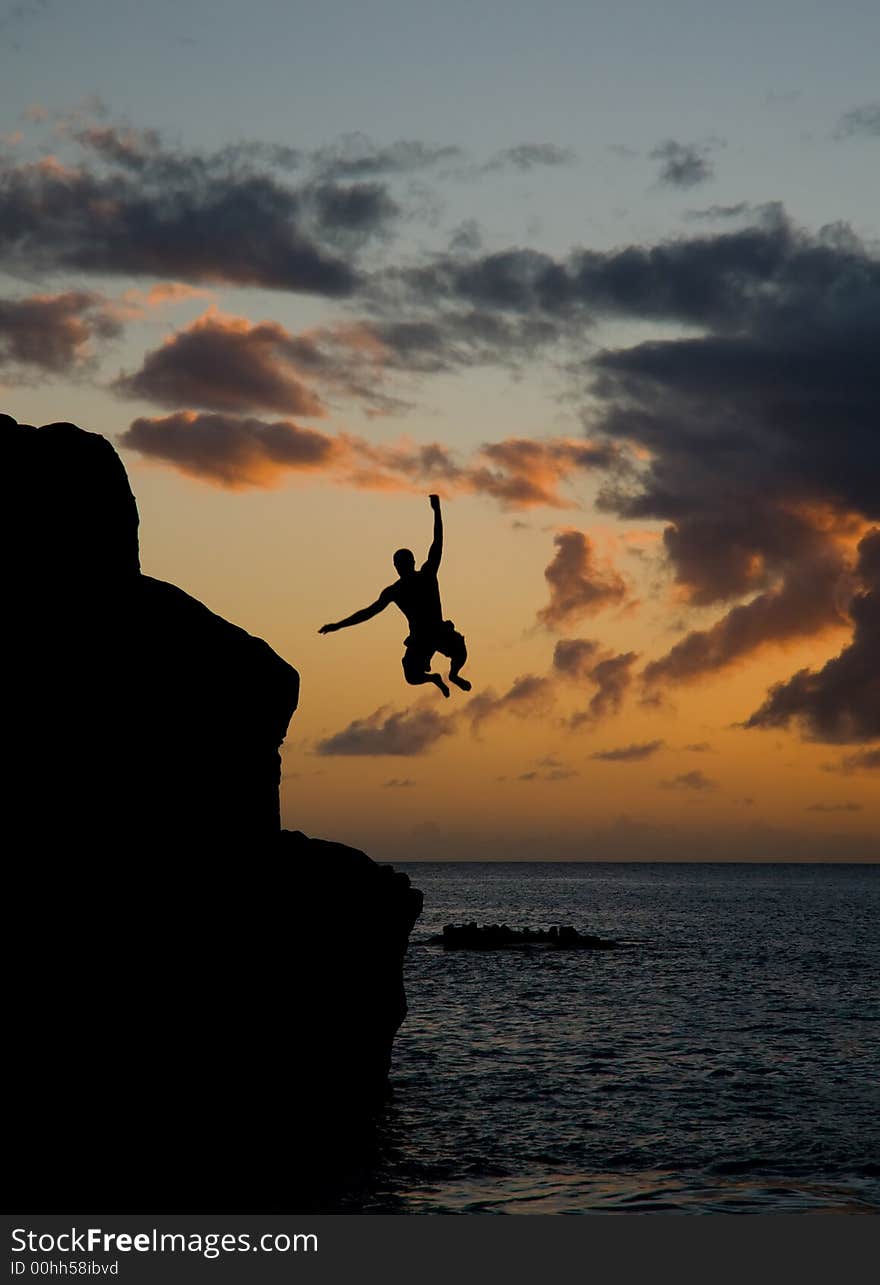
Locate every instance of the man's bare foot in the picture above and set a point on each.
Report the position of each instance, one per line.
(435, 678)
(460, 682)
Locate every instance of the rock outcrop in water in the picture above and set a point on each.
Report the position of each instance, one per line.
(499, 937)
(205, 1004)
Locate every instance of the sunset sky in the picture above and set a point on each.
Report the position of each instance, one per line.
(606, 277)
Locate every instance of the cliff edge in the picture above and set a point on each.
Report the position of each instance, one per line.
(205, 1003)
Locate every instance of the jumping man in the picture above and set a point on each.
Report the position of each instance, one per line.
(417, 594)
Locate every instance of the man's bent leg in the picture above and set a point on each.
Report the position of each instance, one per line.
(415, 667)
(457, 654)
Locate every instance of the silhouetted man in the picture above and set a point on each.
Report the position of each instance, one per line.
(417, 594)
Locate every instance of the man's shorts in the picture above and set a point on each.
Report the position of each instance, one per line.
(421, 647)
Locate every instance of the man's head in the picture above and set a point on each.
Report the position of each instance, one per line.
(404, 562)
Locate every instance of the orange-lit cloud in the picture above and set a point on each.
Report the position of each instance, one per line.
(580, 584)
(224, 364)
(133, 304)
(238, 453)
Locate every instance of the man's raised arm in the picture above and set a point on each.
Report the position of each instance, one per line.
(358, 617)
(435, 553)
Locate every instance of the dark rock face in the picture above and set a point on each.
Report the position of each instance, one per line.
(205, 1004)
(142, 714)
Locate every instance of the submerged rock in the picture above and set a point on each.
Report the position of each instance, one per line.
(500, 937)
(205, 1004)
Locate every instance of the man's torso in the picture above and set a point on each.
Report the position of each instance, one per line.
(418, 597)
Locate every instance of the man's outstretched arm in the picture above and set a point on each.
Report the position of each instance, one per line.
(435, 553)
(358, 617)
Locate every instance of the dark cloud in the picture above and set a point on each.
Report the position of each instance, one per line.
(576, 657)
(529, 156)
(860, 761)
(528, 695)
(51, 333)
(699, 747)
(356, 156)
(389, 732)
(580, 584)
(584, 660)
(805, 603)
(757, 438)
(690, 781)
(134, 206)
(612, 676)
(683, 164)
(713, 213)
(352, 213)
(630, 753)
(839, 703)
(860, 122)
(750, 277)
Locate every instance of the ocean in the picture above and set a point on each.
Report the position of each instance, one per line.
(727, 1062)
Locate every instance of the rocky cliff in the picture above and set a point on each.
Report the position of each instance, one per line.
(206, 1004)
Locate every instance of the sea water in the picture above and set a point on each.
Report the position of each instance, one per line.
(727, 1061)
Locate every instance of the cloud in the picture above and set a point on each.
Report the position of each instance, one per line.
(585, 660)
(356, 156)
(834, 807)
(134, 303)
(683, 164)
(19, 15)
(721, 212)
(580, 585)
(399, 783)
(231, 452)
(859, 761)
(576, 657)
(634, 753)
(52, 333)
(699, 747)
(528, 695)
(753, 442)
(549, 768)
(805, 603)
(690, 781)
(132, 205)
(522, 472)
(242, 452)
(839, 703)
(860, 122)
(405, 733)
(225, 364)
(612, 676)
(530, 156)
